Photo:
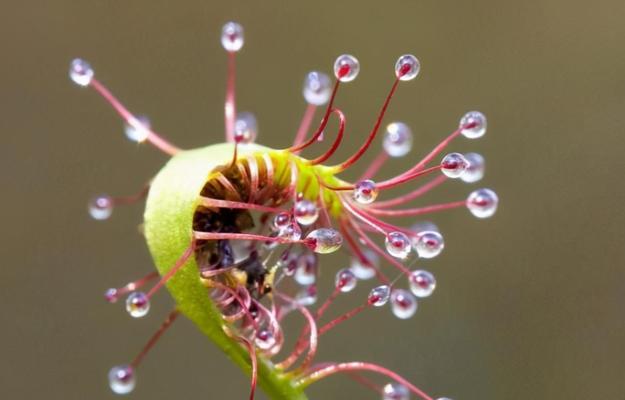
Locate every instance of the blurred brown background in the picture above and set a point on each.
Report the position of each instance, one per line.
(529, 304)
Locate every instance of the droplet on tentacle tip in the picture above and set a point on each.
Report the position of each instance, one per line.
(454, 164)
(346, 68)
(122, 379)
(281, 220)
(407, 67)
(317, 88)
(422, 283)
(265, 340)
(395, 391)
(232, 37)
(345, 280)
(403, 304)
(245, 128)
(473, 125)
(306, 269)
(80, 72)
(101, 207)
(428, 244)
(138, 129)
(365, 269)
(365, 192)
(475, 170)
(398, 245)
(324, 240)
(137, 304)
(307, 296)
(378, 296)
(111, 295)
(305, 212)
(483, 203)
(397, 139)
(291, 232)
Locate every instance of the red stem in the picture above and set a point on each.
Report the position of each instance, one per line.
(337, 141)
(346, 164)
(304, 125)
(370, 172)
(230, 104)
(418, 211)
(412, 195)
(360, 366)
(179, 264)
(154, 139)
(148, 346)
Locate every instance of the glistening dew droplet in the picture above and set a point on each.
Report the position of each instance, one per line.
(346, 68)
(473, 125)
(245, 128)
(397, 139)
(265, 340)
(317, 88)
(232, 36)
(475, 171)
(80, 72)
(324, 240)
(428, 244)
(403, 304)
(101, 207)
(395, 391)
(122, 379)
(291, 232)
(397, 244)
(137, 129)
(137, 304)
(365, 192)
(482, 203)
(365, 269)
(422, 283)
(407, 67)
(378, 296)
(111, 295)
(306, 270)
(345, 280)
(281, 220)
(305, 212)
(454, 164)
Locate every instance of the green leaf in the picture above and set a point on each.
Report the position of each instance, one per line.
(168, 224)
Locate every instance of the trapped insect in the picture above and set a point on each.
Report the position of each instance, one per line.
(237, 230)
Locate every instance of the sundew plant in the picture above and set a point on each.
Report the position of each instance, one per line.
(238, 231)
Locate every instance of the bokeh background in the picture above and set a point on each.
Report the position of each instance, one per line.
(529, 304)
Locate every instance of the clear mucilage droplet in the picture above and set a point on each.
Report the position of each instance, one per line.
(346, 68)
(232, 36)
(365, 269)
(422, 283)
(403, 304)
(137, 304)
(80, 72)
(398, 245)
(245, 128)
(317, 88)
(265, 340)
(122, 379)
(475, 171)
(101, 207)
(365, 192)
(407, 67)
(397, 140)
(483, 203)
(378, 296)
(428, 244)
(138, 129)
(454, 164)
(395, 391)
(475, 123)
(324, 240)
(306, 269)
(305, 212)
(345, 280)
